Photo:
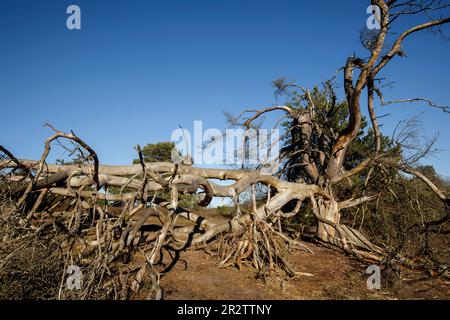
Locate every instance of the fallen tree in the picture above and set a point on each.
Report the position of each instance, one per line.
(114, 243)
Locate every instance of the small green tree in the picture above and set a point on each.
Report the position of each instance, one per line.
(157, 152)
(161, 152)
(152, 152)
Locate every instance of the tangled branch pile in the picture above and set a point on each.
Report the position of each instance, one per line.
(115, 223)
(123, 225)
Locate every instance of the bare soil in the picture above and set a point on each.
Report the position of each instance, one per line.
(197, 276)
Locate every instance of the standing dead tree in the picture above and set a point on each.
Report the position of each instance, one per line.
(319, 154)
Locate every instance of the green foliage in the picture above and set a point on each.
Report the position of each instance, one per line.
(406, 215)
(152, 152)
(78, 159)
(161, 152)
(330, 118)
(225, 211)
(157, 152)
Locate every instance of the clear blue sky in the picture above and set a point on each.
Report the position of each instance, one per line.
(138, 69)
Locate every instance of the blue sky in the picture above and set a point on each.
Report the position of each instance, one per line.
(138, 69)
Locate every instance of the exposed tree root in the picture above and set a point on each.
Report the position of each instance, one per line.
(256, 243)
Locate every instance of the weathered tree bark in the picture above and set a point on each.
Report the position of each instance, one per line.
(328, 215)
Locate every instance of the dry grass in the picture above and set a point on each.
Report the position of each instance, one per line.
(31, 264)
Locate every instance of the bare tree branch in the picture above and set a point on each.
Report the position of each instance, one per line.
(428, 182)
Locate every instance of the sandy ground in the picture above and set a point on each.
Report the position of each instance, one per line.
(197, 276)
